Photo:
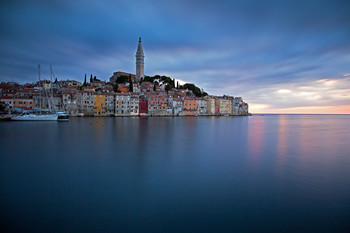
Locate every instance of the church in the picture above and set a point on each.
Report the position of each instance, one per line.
(140, 63)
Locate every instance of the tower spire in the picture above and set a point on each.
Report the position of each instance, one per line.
(140, 61)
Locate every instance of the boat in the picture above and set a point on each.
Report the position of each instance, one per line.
(35, 117)
(62, 116)
(80, 114)
(40, 115)
(5, 118)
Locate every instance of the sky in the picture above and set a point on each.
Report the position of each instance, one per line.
(279, 56)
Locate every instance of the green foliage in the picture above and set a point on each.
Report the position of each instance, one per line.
(170, 84)
(122, 79)
(96, 79)
(196, 90)
(55, 80)
(84, 84)
(130, 85)
(167, 88)
(91, 79)
(148, 79)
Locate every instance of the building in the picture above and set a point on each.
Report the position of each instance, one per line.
(225, 106)
(118, 74)
(140, 62)
(190, 106)
(8, 101)
(110, 104)
(122, 104)
(177, 105)
(134, 104)
(210, 104)
(124, 87)
(85, 100)
(69, 101)
(99, 104)
(202, 106)
(143, 105)
(157, 104)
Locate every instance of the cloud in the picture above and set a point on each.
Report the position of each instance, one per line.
(252, 49)
(322, 92)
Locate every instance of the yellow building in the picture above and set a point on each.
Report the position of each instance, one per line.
(225, 106)
(99, 105)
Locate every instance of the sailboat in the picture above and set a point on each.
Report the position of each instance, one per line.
(62, 116)
(40, 115)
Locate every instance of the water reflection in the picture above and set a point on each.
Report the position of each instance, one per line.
(256, 135)
(140, 174)
(282, 141)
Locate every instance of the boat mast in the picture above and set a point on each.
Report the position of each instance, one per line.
(51, 94)
(39, 85)
(48, 101)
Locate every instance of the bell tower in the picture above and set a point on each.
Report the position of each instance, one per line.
(140, 62)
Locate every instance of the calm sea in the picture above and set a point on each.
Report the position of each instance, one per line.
(264, 173)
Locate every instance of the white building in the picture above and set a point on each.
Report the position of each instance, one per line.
(202, 106)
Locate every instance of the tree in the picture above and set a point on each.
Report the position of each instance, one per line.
(84, 84)
(148, 79)
(90, 79)
(130, 83)
(154, 87)
(95, 78)
(55, 80)
(167, 87)
(122, 79)
(177, 85)
(193, 88)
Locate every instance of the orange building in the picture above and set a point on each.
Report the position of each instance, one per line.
(24, 103)
(190, 106)
(123, 88)
(99, 105)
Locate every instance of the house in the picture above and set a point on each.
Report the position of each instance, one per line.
(157, 104)
(85, 100)
(122, 104)
(99, 108)
(143, 105)
(134, 104)
(190, 106)
(210, 104)
(202, 106)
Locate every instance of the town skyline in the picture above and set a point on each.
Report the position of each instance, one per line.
(281, 57)
(123, 95)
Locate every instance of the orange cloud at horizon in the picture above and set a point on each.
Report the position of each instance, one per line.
(341, 109)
